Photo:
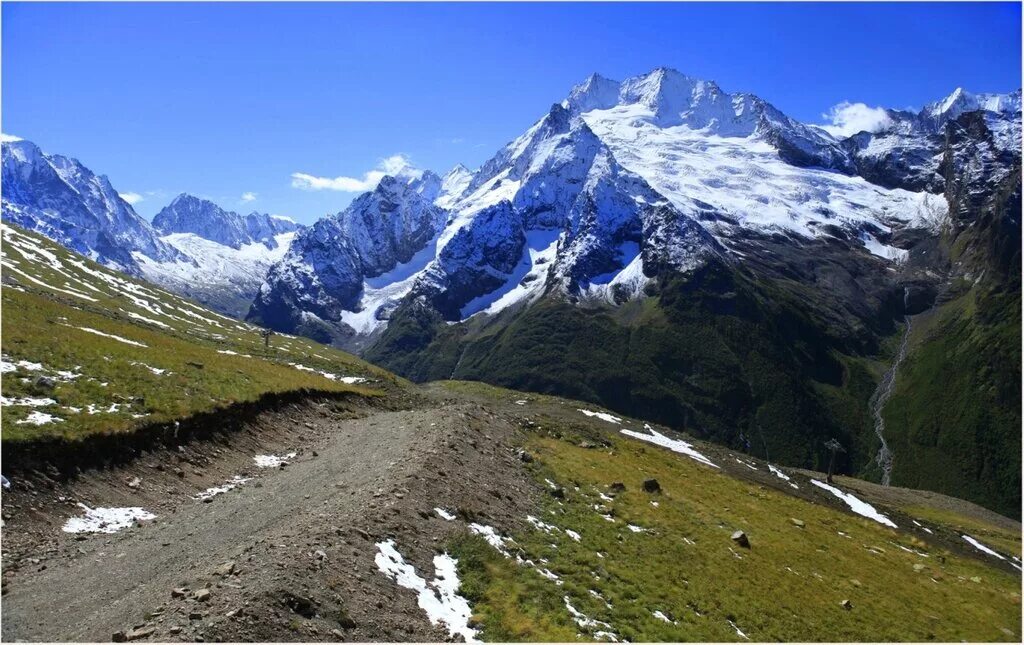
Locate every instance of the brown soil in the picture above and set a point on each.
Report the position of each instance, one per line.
(305, 532)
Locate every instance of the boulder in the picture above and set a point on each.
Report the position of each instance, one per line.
(140, 632)
(846, 604)
(617, 487)
(652, 486)
(797, 523)
(740, 538)
(225, 569)
(45, 382)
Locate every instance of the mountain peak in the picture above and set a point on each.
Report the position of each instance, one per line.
(960, 101)
(594, 93)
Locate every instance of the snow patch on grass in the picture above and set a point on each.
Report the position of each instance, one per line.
(604, 416)
(675, 445)
(981, 547)
(856, 505)
(121, 339)
(28, 401)
(439, 598)
(38, 418)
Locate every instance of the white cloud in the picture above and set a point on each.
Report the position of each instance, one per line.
(389, 166)
(8, 138)
(131, 198)
(248, 197)
(850, 118)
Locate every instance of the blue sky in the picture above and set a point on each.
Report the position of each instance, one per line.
(221, 100)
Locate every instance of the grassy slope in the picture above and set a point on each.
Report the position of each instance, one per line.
(50, 293)
(788, 587)
(954, 418)
(723, 356)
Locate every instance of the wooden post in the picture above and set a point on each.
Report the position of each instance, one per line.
(834, 447)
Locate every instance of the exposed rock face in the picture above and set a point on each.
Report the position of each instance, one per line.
(322, 276)
(189, 214)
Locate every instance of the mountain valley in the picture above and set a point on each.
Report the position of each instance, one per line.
(670, 366)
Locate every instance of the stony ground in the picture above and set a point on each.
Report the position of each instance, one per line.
(288, 555)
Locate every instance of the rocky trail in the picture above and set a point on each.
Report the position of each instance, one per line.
(293, 542)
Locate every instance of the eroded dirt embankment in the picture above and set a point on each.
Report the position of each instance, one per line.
(61, 458)
(291, 541)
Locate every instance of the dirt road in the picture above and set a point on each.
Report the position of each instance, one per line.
(294, 545)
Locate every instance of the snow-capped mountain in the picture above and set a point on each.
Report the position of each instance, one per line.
(226, 255)
(189, 214)
(194, 247)
(65, 201)
(908, 151)
(619, 183)
(340, 259)
(553, 208)
(221, 277)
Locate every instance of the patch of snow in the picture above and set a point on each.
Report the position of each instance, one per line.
(981, 547)
(439, 598)
(856, 505)
(675, 445)
(231, 484)
(491, 536)
(747, 464)
(348, 380)
(122, 339)
(550, 576)
(781, 475)
(540, 524)
(272, 461)
(152, 321)
(604, 416)
(27, 402)
(443, 514)
(661, 616)
(38, 418)
(582, 619)
(106, 520)
(156, 370)
(738, 631)
(637, 529)
(521, 402)
(6, 366)
(921, 526)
